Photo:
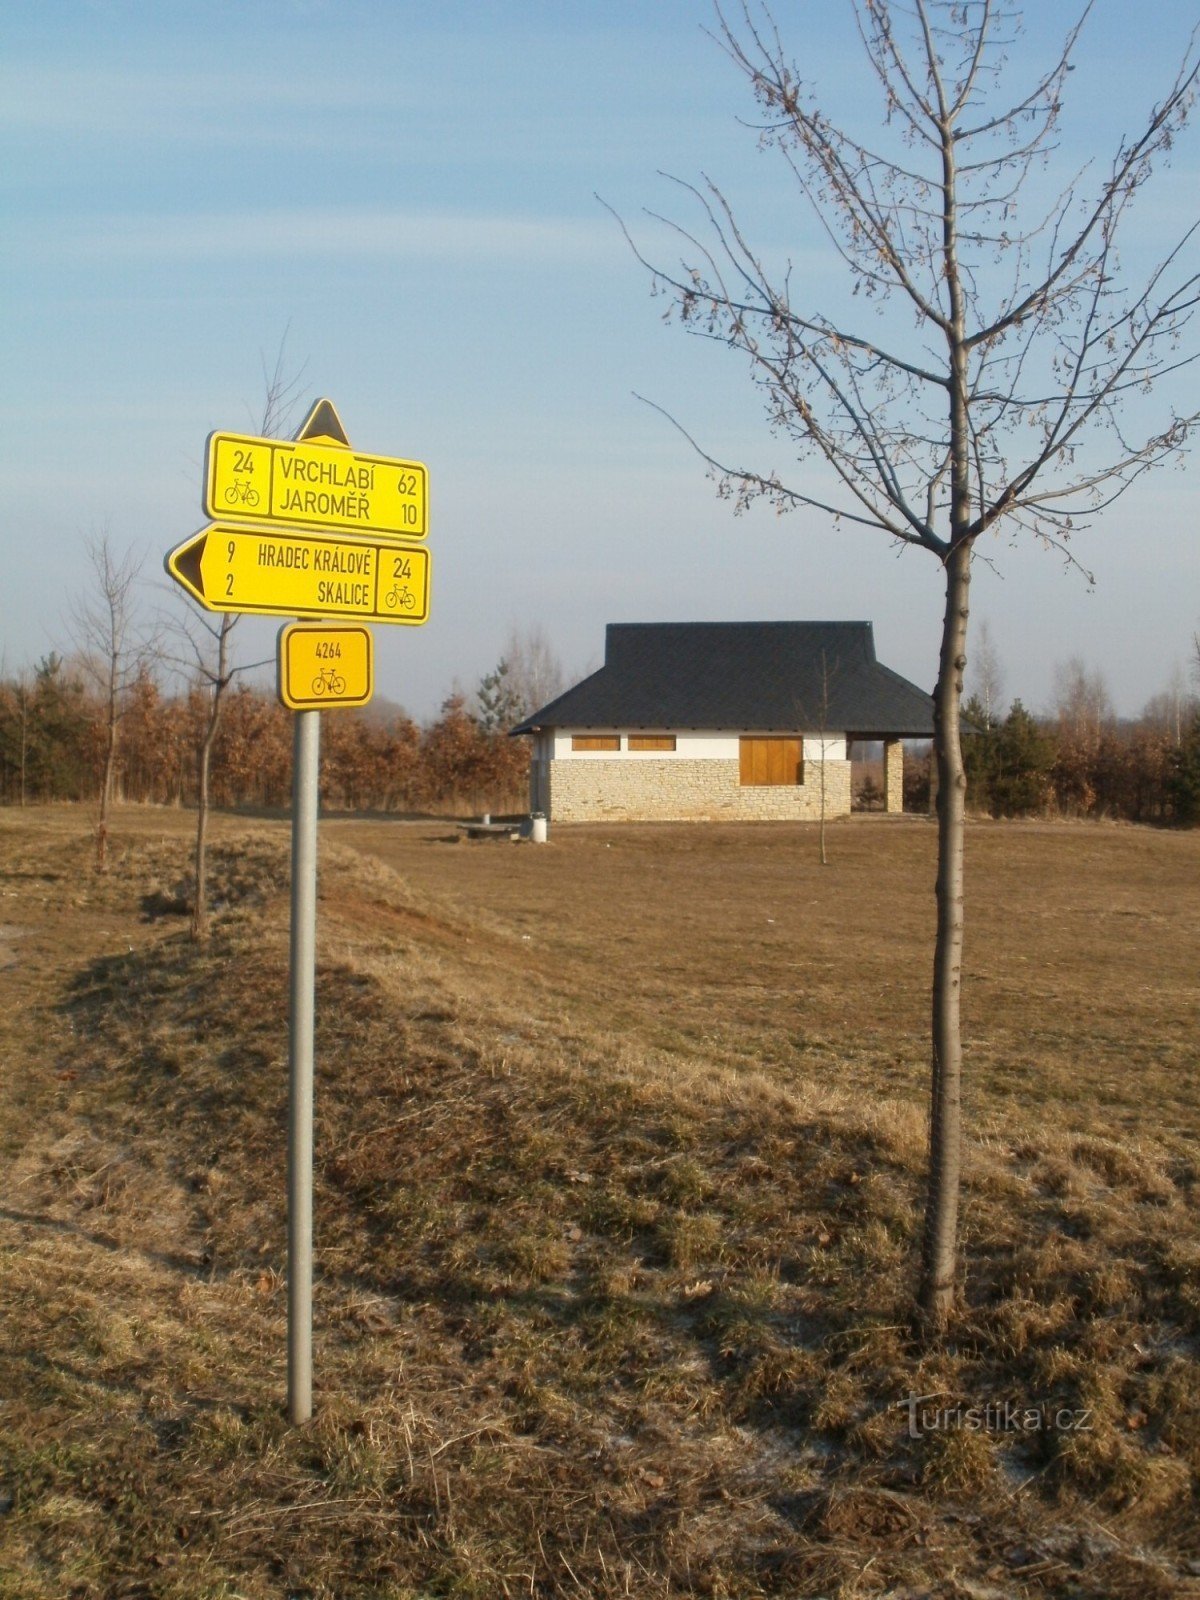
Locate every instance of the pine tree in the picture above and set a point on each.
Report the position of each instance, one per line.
(1024, 757)
(1183, 777)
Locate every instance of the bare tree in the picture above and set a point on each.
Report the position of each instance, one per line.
(1082, 702)
(115, 652)
(535, 673)
(1016, 384)
(210, 646)
(1169, 709)
(211, 666)
(985, 679)
(281, 391)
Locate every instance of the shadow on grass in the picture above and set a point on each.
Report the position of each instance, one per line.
(606, 1260)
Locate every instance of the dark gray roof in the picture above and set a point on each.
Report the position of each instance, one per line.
(751, 676)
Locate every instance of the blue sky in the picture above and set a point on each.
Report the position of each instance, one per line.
(410, 191)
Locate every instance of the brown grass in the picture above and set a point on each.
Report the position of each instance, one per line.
(620, 1145)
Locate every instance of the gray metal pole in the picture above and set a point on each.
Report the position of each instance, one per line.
(305, 778)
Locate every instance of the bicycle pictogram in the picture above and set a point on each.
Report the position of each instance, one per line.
(239, 493)
(329, 679)
(401, 595)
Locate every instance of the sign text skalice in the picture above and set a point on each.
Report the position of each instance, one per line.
(228, 568)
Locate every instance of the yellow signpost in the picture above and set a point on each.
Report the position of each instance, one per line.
(312, 483)
(325, 664)
(299, 575)
(309, 528)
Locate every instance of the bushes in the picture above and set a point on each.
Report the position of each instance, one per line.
(1020, 768)
(49, 751)
(50, 746)
(463, 760)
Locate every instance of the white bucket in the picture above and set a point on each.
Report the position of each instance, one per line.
(538, 831)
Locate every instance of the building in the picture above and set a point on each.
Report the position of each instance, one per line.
(721, 721)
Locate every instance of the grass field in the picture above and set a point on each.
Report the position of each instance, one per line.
(619, 1159)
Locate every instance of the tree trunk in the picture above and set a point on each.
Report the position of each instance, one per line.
(220, 683)
(824, 747)
(24, 743)
(200, 909)
(936, 1293)
(939, 1259)
(106, 787)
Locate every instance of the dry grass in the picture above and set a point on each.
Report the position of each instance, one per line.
(619, 1151)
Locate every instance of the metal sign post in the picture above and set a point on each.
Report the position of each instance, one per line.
(305, 794)
(309, 528)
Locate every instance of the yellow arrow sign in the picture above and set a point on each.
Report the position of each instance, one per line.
(294, 575)
(325, 665)
(310, 484)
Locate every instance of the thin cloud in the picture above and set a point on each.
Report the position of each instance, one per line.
(173, 103)
(341, 233)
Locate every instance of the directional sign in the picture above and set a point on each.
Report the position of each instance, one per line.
(314, 482)
(297, 575)
(325, 665)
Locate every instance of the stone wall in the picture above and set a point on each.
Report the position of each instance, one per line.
(643, 789)
(893, 775)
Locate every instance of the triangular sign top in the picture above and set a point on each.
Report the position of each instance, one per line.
(323, 426)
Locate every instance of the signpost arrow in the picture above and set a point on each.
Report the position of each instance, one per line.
(228, 568)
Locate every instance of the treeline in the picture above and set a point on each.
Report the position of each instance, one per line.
(53, 730)
(1020, 765)
(1077, 762)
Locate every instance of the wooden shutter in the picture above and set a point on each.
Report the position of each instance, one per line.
(771, 760)
(595, 741)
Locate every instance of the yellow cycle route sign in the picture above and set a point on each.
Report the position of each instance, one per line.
(315, 482)
(325, 664)
(227, 568)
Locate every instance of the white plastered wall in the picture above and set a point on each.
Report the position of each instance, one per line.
(689, 746)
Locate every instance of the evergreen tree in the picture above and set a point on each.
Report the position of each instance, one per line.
(61, 753)
(500, 703)
(1023, 760)
(1183, 775)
